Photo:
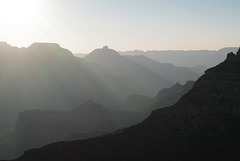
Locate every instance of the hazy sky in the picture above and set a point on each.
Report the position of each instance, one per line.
(83, 25)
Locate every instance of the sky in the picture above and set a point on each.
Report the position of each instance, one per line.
(84, 25)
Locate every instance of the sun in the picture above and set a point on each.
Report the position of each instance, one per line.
(19, 11)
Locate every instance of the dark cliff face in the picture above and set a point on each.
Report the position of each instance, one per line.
(204, 125)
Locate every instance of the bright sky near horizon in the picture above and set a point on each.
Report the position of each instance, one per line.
(83, 25)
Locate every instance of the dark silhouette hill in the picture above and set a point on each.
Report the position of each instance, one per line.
(36, 128)
(204, 125)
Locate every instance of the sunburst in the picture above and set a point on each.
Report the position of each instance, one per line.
(19, 11)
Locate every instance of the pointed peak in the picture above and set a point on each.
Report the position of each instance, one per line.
(231, 56)
(105, 51)
(177, 84)
(105, 48)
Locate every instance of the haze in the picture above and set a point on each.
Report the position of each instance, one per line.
(82, 25)
(132, 80)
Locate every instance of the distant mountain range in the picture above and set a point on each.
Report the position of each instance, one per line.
(188, 58)
(203, 125)
(45, 76)
(197, 60)
(143, 75)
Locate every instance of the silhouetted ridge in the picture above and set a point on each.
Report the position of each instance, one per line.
(230, 65)
(105, 51)
(44, 45)
(176, 88)
(8, 51)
